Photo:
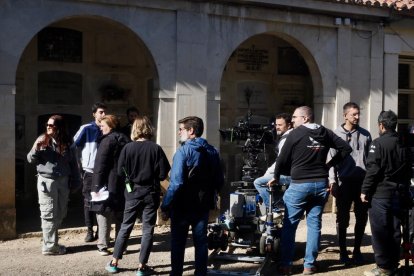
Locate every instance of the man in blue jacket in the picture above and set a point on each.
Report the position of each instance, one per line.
(86, 140)
(196, 177)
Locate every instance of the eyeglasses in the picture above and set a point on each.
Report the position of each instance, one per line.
(49, 125)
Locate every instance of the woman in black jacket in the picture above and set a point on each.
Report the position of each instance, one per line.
(146, 165)
(105, 178)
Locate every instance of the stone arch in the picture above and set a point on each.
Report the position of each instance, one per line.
(257, 66)
(114, 66)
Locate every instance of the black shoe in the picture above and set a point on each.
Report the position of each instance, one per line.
(89, 236)
(357, 258)
(344, 259)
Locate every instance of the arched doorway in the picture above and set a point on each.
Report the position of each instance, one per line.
(264, 76)
(65, 68)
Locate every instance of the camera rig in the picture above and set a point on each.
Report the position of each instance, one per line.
(248, 223)
(256, 136)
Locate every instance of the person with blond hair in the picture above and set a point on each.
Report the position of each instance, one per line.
(105, 177)
(57, 174)
(145, 164)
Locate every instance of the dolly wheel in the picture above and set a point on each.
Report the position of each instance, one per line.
(262, 245)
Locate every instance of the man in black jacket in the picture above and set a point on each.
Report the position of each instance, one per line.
(386, 182)
(303, 156)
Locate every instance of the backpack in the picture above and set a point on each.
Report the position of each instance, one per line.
(198, 191)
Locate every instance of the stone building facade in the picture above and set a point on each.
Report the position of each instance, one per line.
(214, 59)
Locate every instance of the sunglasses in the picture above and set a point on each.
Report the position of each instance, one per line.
(50, 125)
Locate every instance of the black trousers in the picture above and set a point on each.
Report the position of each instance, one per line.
(385, 220)
(349, 192)
(147, 205)
(90, 216)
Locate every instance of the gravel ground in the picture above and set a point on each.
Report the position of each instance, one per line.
(22, 256)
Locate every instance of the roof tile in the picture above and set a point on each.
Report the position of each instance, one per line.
(400, 5)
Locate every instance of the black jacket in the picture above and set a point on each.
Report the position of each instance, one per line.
(304, 153)
(146, 164)
(388, 167)
(105, 171)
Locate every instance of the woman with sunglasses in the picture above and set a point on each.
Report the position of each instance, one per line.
(57, 173)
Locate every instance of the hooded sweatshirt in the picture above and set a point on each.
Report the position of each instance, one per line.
(305, 151)
(181, 193)
(353, 166)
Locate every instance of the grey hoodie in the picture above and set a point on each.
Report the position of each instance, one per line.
(353, 167)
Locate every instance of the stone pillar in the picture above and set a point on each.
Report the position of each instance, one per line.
(376, 92)
(344, 74)
(392, 48)
(192, 65)
(7, 162)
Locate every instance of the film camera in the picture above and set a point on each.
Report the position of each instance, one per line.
(255, 137)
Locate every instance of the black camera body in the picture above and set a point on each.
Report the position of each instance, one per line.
(255, 137)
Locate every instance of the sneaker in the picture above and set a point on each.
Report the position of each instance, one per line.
(89, 236)
(377, 271)
(59, 250)
(310, 270)
(145, 270)
(111, 268)
(104, 251)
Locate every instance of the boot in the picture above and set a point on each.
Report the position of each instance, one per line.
(89, 236)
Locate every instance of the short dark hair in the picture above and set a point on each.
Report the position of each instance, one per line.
(349, 105)
(388, 119)
(195, 123)
(285, 116)
(132, 109)
(97, 105)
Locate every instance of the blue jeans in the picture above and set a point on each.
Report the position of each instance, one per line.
(180, 222)
(261, 186)
(299, 198)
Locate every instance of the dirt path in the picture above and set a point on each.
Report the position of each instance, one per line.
(23, 257)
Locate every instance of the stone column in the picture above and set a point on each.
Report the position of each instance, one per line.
(344, 67)
(376, 92)
(392, 48)
(192, 65)
(7, 162)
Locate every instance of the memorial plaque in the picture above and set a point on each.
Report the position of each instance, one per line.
(252, 59)
(59, 44)
(59, 87)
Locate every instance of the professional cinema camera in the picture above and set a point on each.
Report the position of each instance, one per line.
(248, 223)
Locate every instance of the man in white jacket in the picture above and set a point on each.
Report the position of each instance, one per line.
(283, 125)
(86, 140)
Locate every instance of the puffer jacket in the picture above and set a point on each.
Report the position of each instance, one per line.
(105, 171)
